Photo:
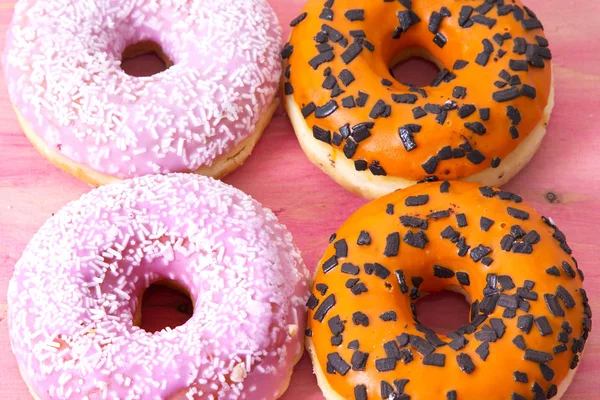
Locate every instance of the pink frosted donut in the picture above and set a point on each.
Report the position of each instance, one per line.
(86, 115)
(75, 292)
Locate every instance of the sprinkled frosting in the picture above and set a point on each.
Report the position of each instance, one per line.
(490, 95)
(530, 317)
(74, 292)
(62, 64)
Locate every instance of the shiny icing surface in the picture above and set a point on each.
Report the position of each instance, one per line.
(530, 316)
(62, 63)
(490, 94)
(75, 290)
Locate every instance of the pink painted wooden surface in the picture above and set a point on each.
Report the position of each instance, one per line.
(313, 206)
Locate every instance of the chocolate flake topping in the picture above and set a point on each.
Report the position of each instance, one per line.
(324, 308)
(465, 363)
(392, 244)
(537, 356)
(364, 239)
(359, 318)
(419, 200)
(359, 360)
(435, 359)
(338, 364)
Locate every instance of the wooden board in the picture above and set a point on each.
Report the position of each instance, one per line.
(312, 205)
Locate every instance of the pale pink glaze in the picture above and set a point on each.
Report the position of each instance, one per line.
(62, 63)
(74, 291)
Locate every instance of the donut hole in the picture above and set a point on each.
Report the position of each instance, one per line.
(144, 58)
(164, 303)
(415, 66)
(444, 311)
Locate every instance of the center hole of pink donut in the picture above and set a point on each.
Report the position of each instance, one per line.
(145, 58)
(443, 311)
(164, 304)
(415, 71)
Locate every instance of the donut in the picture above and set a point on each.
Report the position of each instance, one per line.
(74, 298)
(203, 114)
(481, 119)
(529, 318)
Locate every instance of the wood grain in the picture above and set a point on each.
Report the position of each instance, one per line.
(312, 206)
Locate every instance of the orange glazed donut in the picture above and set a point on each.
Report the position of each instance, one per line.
(480, 120)
(530, 316)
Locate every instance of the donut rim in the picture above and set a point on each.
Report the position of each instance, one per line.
(332, 161)
(330, 394)
(221, 167)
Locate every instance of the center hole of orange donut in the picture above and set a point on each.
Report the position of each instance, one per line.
(164, 304)
(443, 311)
(145, 58)
(416, 71)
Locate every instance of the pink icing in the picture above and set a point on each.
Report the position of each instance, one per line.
(62, 64)
(74, 291)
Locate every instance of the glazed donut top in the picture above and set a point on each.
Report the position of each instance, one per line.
(489, 96)
(530, 316)
(76, 287)
(62, 64)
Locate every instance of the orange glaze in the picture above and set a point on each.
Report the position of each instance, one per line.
(369, 67)
(492, 378)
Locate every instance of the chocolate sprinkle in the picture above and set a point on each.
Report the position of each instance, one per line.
(324, 308)
(421, 345)
(465, 363)
(364, 238)
(341, 248)
(298, 19)
(485, 224)
(322, 288)
(312, 302)
(483, 350)
(506, 95)
(565, 296)
(460, 64)
(413, 201)
(359, 318)
(346, 77)
(338, 364)
(406, 98)
(442, 272)
(463, 278)
(553, 306)
(355, 15)
(392, 244)
(538, 356)
(288, 89)
(321, 134)
(418, 240)
(519, 342)
(360, 392)
(350, 269)
(359, 360)
(520, 377)
(308, 109)
(475, 156)
(543, 326)
(329, 264)
(435, 359)
(445, 187)
(407, 139)
(518, 214)
(388, 316)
